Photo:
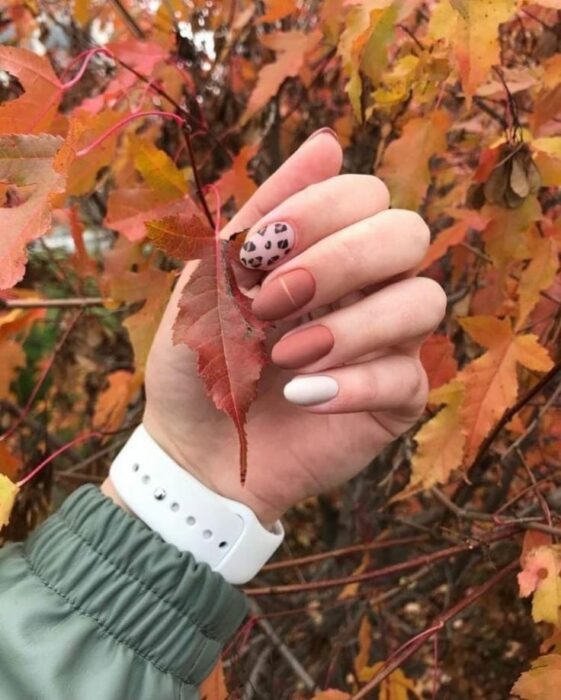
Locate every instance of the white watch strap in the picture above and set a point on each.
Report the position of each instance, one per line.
(223, 533)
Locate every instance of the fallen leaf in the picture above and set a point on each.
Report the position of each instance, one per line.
(26, 166)
(34, 110)
(542, 681)
(8, 493)
(405, 167)
(215, 320)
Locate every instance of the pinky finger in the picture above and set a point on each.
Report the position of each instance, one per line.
(395, 383)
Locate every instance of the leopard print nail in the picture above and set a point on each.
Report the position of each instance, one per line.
(267, 246)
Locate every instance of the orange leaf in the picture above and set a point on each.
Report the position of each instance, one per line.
(13, 357)
(215, 320)
(237, 182)
(437, 357)
(491, 381)
(10, 465)
(542, 681)
(277, 9)
(453, 235)
(214, 685)
(26, 165)
(364, 645)
(538, 276)
(33, 111)
(331, 695)
(291, 48)
(112, 403)
(405, 168)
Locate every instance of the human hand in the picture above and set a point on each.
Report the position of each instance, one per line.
(360, 323)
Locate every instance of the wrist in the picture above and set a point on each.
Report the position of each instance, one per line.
(216, 469)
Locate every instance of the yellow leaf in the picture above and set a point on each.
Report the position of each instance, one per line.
(541, 576)
(542, 681)
(8, 493)
(471, 28)
(396, 84)
(538, 276)
(157, 169)
(364, 645)
(440, 441)
(405, 168)
(13, 357)
(394, 687)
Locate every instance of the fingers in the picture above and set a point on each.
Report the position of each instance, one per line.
(310, 215)
(396, 383)
(318, 158)
(366, 253)
(395, 316)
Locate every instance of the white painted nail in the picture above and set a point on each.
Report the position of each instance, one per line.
(267, 246)
(307, 391)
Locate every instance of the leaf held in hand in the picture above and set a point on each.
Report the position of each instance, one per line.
(215, 320)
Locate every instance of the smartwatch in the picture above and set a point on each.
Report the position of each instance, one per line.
(218, 531)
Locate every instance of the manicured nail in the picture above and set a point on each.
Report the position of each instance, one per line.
(324, 130)
(308, 391)
(267, 246)
(303, 347)
(284, 295)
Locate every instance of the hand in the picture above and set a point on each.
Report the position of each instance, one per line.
(348, 310)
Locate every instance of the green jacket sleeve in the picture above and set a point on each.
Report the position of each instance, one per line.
(94, 606)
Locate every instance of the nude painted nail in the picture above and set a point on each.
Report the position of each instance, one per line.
(303, 347)
(284, 295)
(267, 246)
(308, 391)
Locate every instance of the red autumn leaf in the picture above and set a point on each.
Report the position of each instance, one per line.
(437, 356)
(215, 320)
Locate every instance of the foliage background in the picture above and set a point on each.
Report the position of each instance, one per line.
(456, 104)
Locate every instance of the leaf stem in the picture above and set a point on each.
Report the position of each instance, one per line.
(79, 75)
(138, 115)
(200, 192)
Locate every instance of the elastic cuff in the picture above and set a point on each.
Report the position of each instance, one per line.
(144, 592)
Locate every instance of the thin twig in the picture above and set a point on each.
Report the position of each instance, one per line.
(129, 20)
(283, 650)
(409, 648)
(69, 302)
(391, 570)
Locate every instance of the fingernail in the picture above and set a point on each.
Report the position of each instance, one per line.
(267, 246)
(308, 391)
(303, 347)
(284, 295)
(324, 130)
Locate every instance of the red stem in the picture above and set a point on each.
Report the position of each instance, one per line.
(49, 459)
(88, 54)
(218, 206)
(138, 115)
